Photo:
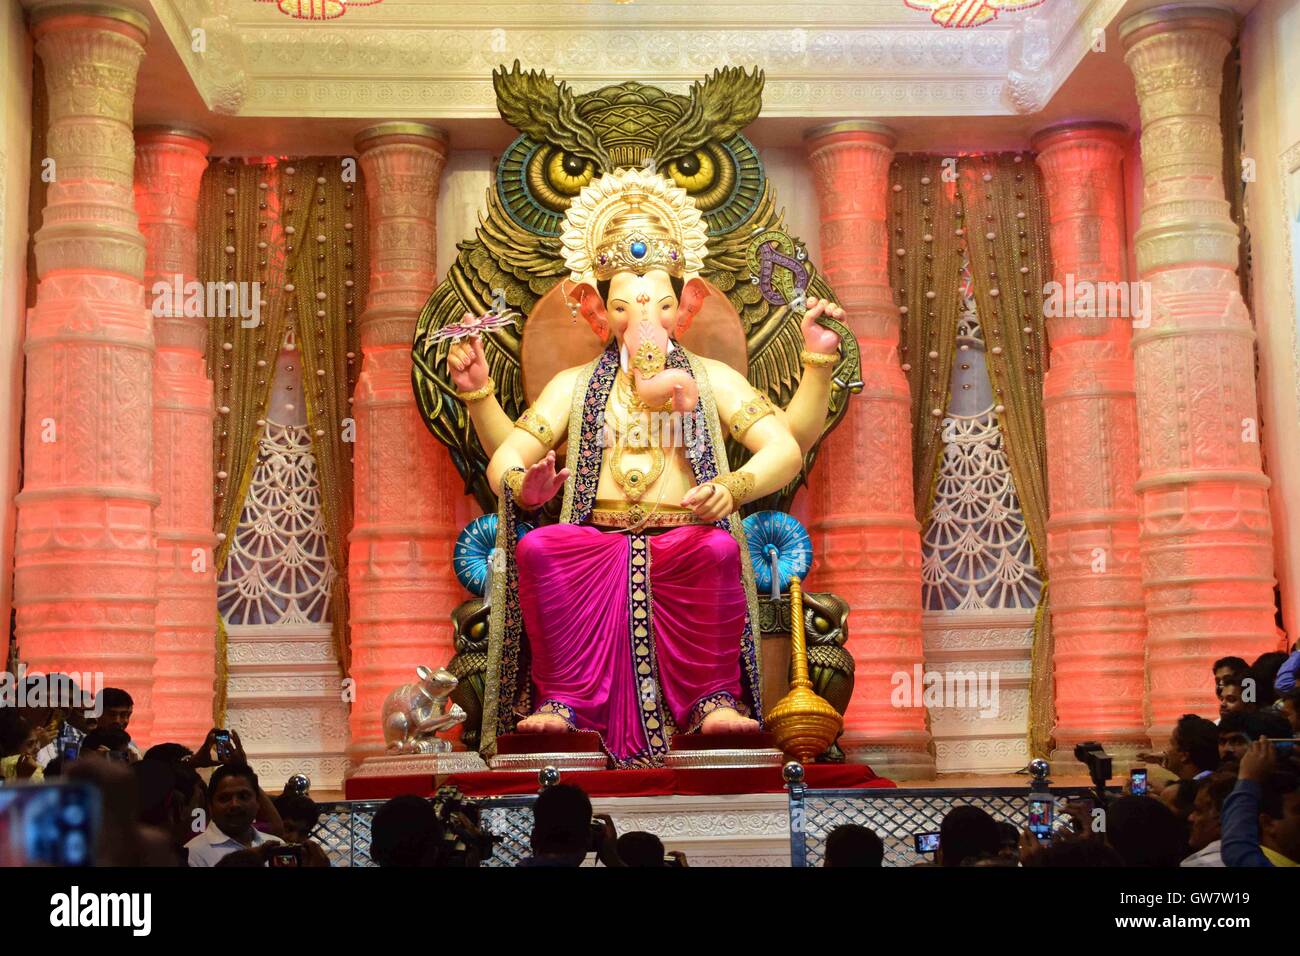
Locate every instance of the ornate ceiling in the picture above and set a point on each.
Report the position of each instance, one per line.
(432, 59)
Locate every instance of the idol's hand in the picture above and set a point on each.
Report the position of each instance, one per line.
(466, 365)
(816, 337)
(709, 501)
(541, 482)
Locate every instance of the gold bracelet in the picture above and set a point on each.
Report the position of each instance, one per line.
(514, 480)
(533, 423)
(738, 484)
(759, 406)
(483, 391)
(818, 359)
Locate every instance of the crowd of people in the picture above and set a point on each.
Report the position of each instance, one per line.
(1220, 794)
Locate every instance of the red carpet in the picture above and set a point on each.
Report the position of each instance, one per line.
(623, 783)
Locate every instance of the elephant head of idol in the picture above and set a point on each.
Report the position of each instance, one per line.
(634, 245)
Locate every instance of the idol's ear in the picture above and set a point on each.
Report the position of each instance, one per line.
(694, 292)
(592, 308)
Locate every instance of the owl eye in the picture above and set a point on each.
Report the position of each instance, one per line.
(708, 175)
(556, 176)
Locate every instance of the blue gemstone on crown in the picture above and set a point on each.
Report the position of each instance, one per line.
(638, 249)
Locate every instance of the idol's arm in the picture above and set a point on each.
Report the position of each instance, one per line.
(537, 431)
(806, 414)
(777, 459)
(491, 423)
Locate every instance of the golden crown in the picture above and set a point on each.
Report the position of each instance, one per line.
(632, 220)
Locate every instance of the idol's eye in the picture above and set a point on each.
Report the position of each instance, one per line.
(556, 176)
(708, 175)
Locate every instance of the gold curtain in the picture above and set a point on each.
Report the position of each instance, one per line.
(235, 215)
(1004, 211)
(925, 272)
(329, 277)
(260, 222)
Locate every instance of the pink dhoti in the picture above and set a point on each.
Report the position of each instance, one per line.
(635, 637)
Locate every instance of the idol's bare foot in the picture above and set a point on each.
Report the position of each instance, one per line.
(724, 720)
(542, 724)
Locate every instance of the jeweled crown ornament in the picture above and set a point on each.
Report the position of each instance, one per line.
(632, 220)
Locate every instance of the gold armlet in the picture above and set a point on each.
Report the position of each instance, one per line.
(818, 359)
(532, 423)
(514, 480)
(483, 391)
(759, 406)
(738, 484)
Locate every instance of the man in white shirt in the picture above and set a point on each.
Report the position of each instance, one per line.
(1204, 835)
(232, 808)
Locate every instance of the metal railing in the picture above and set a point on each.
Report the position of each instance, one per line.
(896, 814)
(343, 830)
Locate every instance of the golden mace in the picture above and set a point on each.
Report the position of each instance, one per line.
(803, 723)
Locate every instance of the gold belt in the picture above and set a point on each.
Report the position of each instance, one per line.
(623, 514)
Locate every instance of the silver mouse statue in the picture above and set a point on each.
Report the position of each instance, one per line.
(413, 714)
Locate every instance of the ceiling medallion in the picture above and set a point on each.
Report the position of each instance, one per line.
(968, 13)
(317, 9)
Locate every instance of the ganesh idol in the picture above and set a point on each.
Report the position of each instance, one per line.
(635, 615)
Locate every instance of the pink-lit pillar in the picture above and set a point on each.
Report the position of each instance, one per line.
(864, 529)
(406, 488)
(169, 164)
(1093, 560)
(1206, 537)
(85, 558)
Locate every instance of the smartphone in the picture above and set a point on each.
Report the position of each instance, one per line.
(225, 749)
(49, 824)
(1137, 781)
(287, 854)
(925, 842)
(1041, 809)
(1284, 744)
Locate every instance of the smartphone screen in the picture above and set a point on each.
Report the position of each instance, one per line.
(224, 750)
(926, 842)
(48, 824)
(288, 855)
(1137, 781)
(1040, 816)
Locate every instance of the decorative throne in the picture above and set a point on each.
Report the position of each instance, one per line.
(759, 277)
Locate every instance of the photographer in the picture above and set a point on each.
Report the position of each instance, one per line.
(299, 816)
(1261, 817)
(1193, 751)
(233, 801)
(230, 752)
(565, 831)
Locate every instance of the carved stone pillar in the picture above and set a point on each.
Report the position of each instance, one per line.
(865, 534)
(86, 559)
(1206, 536)
(406, 488)
(169, 164)
(1093, 561)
